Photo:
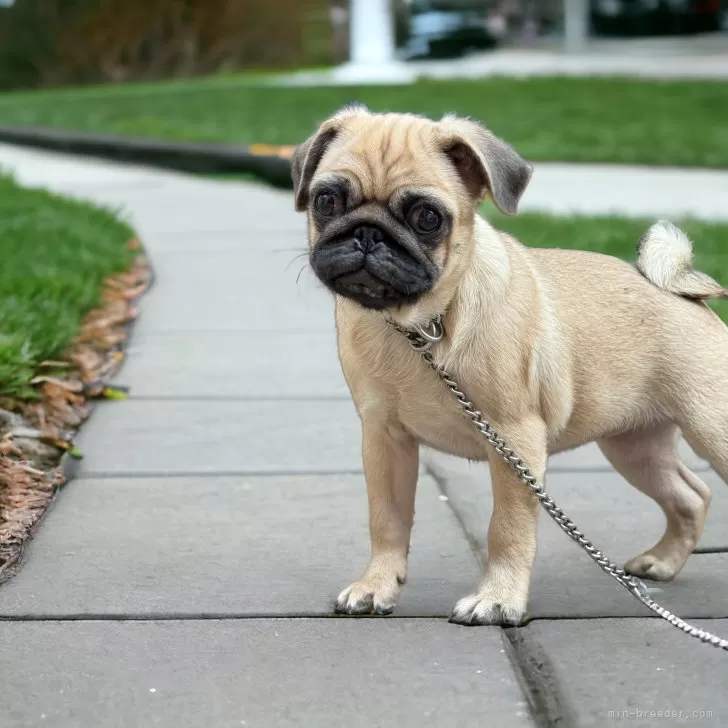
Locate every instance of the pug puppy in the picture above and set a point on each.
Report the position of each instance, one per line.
(556, 348)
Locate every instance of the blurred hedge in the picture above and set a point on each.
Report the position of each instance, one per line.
(55, 42)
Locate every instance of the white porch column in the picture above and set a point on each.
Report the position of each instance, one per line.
(576, 25)
(371, 32)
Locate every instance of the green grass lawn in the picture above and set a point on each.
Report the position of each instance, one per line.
(617, 236)
(55, 254)
(564, 119)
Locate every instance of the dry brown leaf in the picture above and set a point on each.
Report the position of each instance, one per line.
(50, 364)
(135, 292)
(88, 361)
(72, 385)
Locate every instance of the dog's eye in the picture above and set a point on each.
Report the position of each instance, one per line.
(424, 219)
(328, 204)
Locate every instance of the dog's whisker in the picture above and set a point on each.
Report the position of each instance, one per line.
(289, 250)
(297, 257)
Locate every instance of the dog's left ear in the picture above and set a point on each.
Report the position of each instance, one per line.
(308, 155)
(485, 163)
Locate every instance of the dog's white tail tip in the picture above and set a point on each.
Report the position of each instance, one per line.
(665, 258)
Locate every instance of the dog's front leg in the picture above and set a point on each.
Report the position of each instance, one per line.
(391, 464)
(502, 597)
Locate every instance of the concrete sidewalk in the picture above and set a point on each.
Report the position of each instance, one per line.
(187, 578)
(702, 57)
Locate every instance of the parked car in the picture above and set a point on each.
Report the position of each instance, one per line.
(443, 30)
(655, 17)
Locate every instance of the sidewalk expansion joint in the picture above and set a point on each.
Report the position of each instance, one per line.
(473, 543)
(710, 550)
(236, 398)
(262, 616)
(537, 677)
(159, 474)
(215, 617)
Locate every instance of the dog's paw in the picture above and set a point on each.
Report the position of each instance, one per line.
(368, 596)
(477, 609)
(648, 566)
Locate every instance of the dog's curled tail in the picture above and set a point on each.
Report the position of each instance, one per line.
(665, 258)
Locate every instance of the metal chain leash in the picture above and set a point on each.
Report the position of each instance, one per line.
(421, 340)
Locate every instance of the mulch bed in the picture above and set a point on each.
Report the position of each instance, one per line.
(37, 437)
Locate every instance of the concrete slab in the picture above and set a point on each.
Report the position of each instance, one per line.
(566, 584)
(261, 673)
(619, 520)
(278, 269)
(178, 207)
(146, 437)
(65, 172)
(632, 672)
(236, 299)
(567, 189)
(253, 364)
(265, 235)
(468, 486)
(226, 547)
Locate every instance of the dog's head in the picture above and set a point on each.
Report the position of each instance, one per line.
(392, 198)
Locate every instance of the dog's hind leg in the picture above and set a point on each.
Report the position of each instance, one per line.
(702, 411)
(649, 460)
(711, 443)
(712, 447)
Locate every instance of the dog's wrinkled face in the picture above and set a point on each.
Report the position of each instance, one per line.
(380, 254)
(391, 200)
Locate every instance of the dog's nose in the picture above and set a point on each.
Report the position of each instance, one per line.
(367, 236)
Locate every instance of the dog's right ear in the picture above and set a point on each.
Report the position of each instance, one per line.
(308, 155)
